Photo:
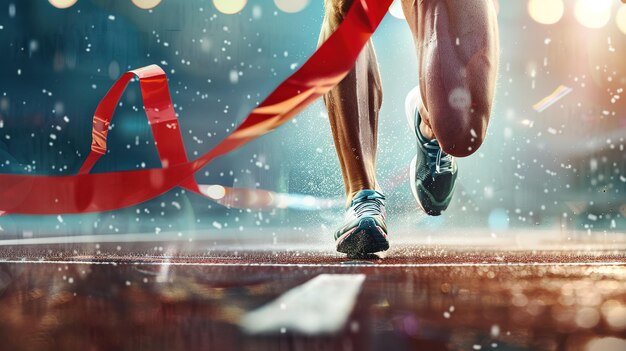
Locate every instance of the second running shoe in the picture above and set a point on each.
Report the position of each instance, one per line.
(364, 230)
(433, 173)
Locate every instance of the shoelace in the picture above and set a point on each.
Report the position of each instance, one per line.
(438, 161)
(369, 205)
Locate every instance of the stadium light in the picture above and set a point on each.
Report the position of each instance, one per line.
(593, 13)
(229, 7)
(546, 11)
(620, 19)
(62, 4)
(291, 6)
(146, 4)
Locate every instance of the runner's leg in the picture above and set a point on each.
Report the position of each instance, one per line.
(457, 48)
(353, 107)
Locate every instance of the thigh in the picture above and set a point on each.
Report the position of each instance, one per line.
(470, 24)
(474, 28)
(465, 32)
(335, 10)
(457, 49)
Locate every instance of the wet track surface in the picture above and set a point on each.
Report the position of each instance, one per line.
(181, 296)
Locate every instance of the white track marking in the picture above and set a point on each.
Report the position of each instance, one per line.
(319, 306)
(167, 238)
(93, 239)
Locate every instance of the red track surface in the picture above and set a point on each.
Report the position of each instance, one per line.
(123, 296)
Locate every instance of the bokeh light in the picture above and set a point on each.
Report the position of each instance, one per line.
(229, 7)
(620, 19)
(396, 9)
(605, 344)
(291, 6)
(146, 4)
(215, 191)
(546, 11)
(498, 220)
(593, 13)
(62, 4)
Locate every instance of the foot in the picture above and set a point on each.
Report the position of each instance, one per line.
(364, 230)
(433, 172)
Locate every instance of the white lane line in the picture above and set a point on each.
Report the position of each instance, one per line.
(347, 264)
(99, 238)
(319, 306)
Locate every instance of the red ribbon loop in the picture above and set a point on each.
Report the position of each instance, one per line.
(85, 192)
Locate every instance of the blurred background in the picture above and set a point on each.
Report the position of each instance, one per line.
(554, 158)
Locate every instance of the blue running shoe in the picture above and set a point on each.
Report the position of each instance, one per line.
(364, 230)
(433, 173)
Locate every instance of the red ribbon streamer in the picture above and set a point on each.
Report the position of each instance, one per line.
(84, 192)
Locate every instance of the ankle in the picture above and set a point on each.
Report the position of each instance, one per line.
(351, 194)
(426, 131)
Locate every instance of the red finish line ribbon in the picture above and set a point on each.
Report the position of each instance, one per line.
(85, 192)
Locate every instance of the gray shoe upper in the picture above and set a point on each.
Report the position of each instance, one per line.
(433, 156)
(435, 173)
(366, 203)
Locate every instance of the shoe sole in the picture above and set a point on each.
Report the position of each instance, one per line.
(367, 238)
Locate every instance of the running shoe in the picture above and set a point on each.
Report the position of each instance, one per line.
(364, 230)
(433, 173)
